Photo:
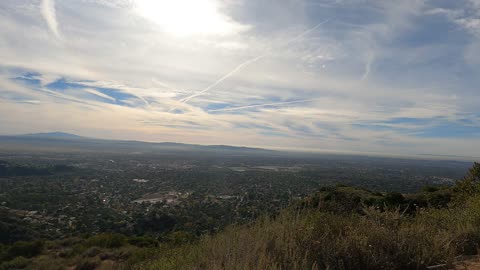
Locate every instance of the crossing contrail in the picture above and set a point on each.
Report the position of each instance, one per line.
(262, 105)
(306, 32)
(247, 63)
(226, 76)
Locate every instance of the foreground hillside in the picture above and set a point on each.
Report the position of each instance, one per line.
(337, 228)
(345, 228)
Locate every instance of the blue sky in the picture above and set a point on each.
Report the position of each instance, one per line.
(390, 77)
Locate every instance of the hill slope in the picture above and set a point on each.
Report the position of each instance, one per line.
(60, 141)
(53, 135)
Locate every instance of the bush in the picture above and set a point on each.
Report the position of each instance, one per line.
(91, 252)
(16, 263)
(143, 241)
(3, 252)
(25, 249)
(180, 237)
(106, 240)
(66, 252)
(429, 189)
(141, 256)
(394, 199)
(46, 263)
(86, 264)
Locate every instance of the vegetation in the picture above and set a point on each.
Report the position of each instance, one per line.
(324, 238)
(7, 169)
(88, 219)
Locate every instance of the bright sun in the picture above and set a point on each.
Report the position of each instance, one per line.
(187, 17)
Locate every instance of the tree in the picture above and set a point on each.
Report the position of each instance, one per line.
(394, 199)
(473, 173)
(469, 186)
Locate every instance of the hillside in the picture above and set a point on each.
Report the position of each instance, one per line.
(52, 135)
(66, 142)
(337, 228)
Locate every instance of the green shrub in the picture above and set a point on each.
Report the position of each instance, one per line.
(429, 189)
(91, 252)
(143, 241)
(66, 252)
(141, 256)
(47, 263)
(394, 199)
(25, 249)
(87, 264)
(106, 240)
(16, 263)
(179, 237)
(3, 252)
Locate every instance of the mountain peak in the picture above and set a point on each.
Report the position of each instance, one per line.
(55, 134)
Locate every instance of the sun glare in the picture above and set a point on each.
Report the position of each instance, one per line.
(187, 17)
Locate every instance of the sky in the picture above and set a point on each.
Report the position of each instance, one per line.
(367, 76)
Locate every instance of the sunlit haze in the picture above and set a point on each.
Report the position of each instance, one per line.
(187, 17)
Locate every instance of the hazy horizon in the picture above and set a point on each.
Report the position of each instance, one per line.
(297, 151)
(397, 78)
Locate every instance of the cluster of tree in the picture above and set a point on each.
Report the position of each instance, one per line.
(8, 169)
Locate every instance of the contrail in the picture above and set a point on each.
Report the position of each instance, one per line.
(368, 66)
(262, 105)
(247, 63)
(306, 32)
(226, 76)
(49, 14)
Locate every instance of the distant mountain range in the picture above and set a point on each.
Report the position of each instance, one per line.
(60, 141)
(53, 135)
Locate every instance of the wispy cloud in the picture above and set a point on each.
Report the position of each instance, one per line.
(351, 83)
